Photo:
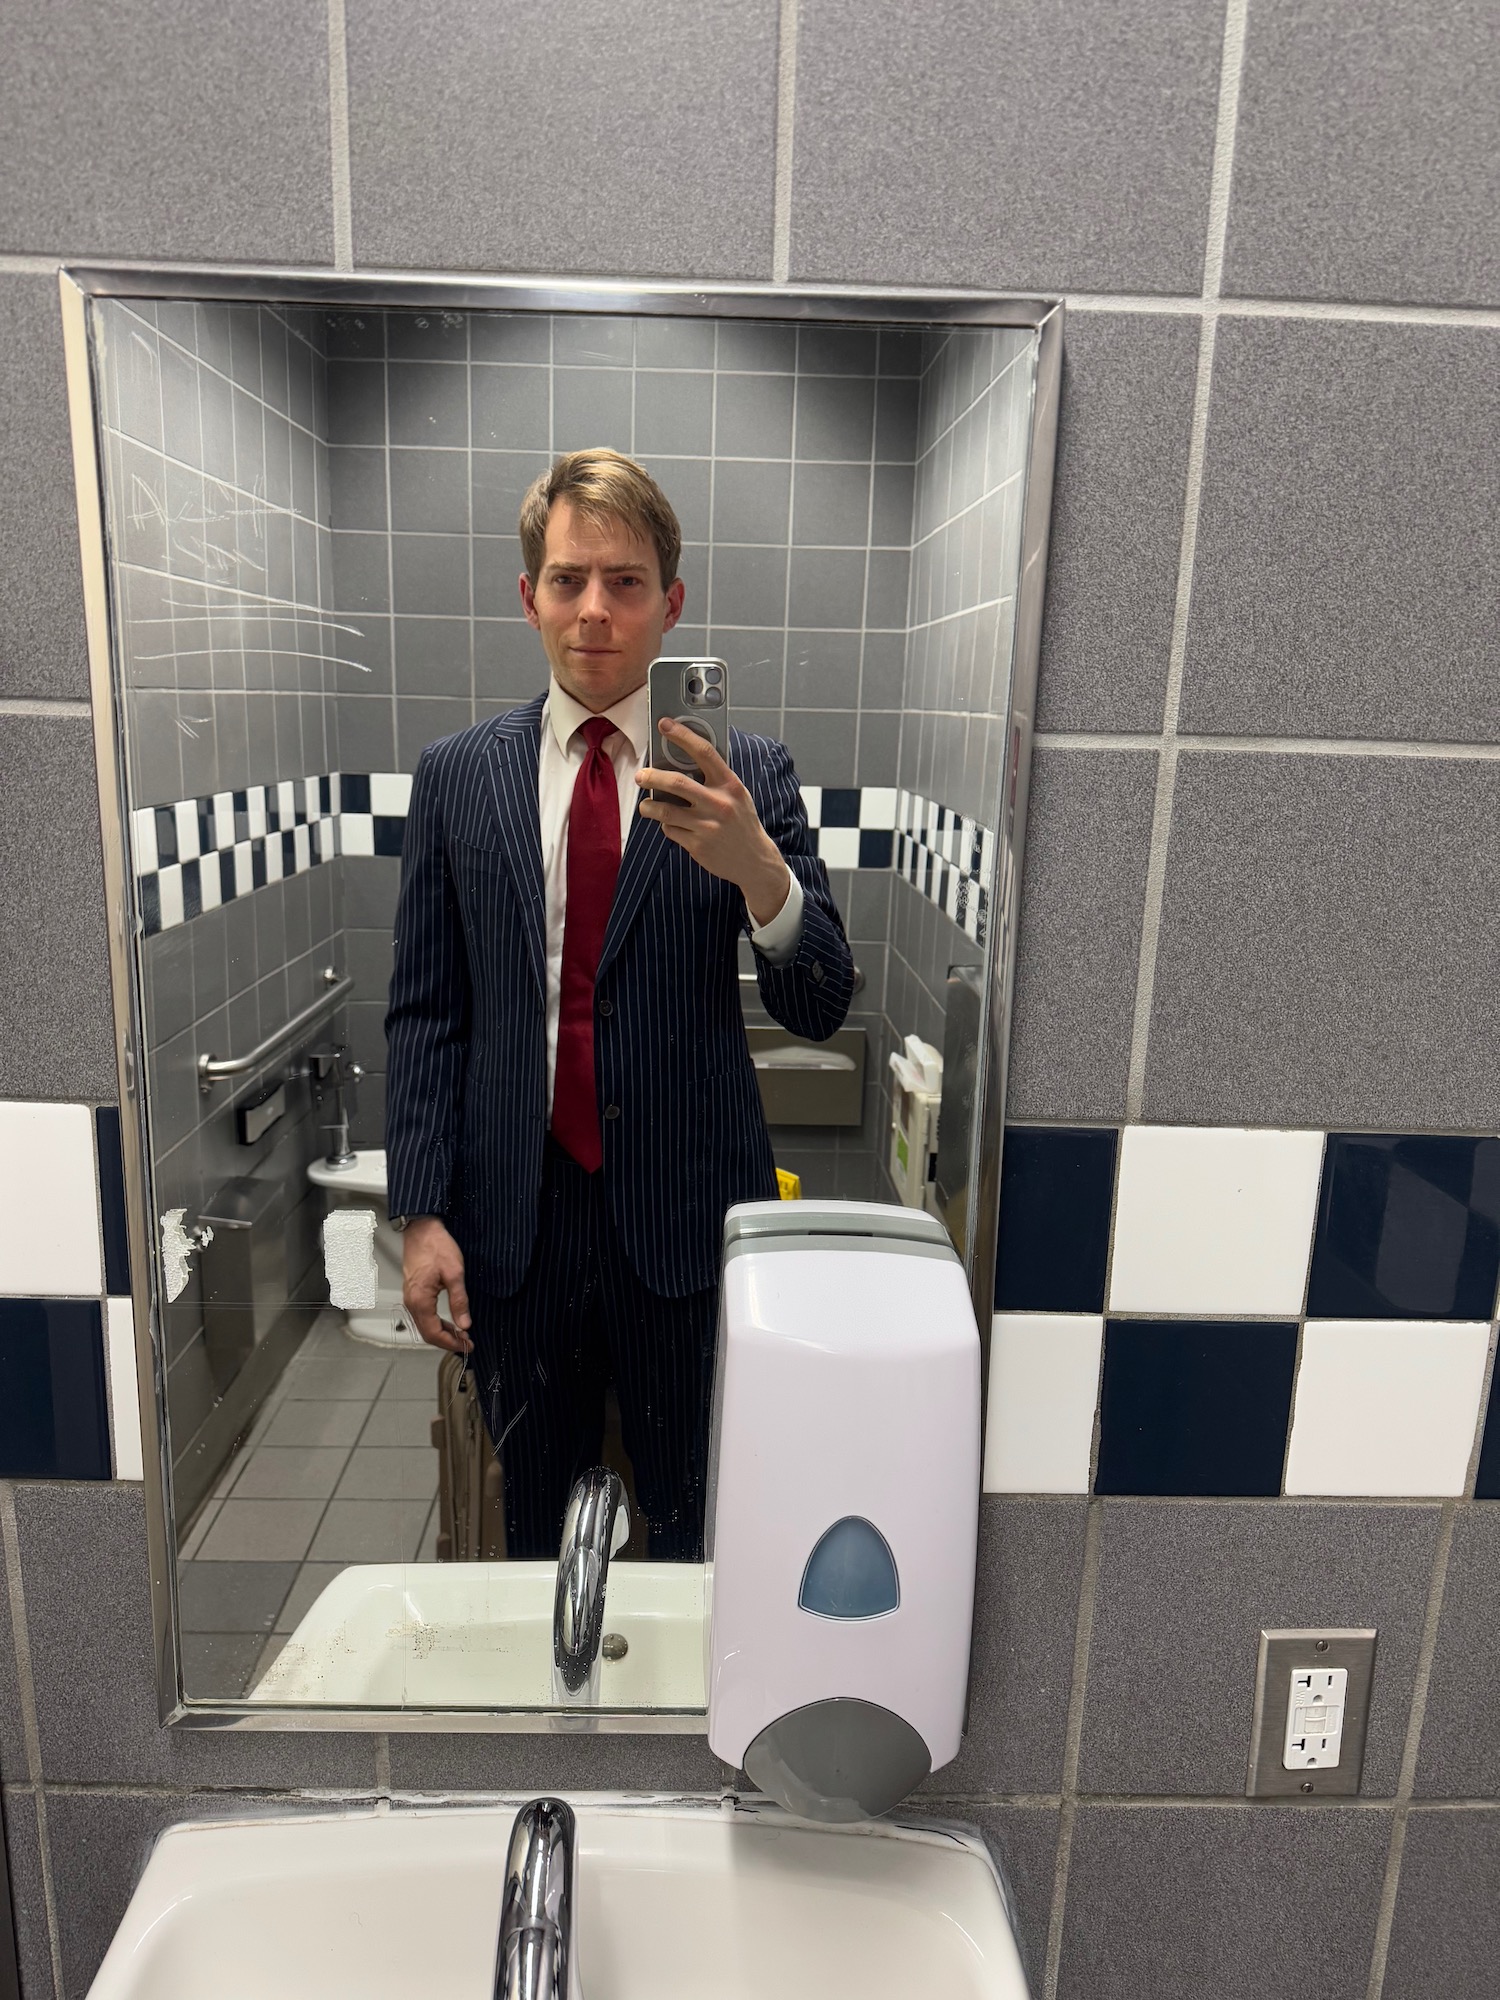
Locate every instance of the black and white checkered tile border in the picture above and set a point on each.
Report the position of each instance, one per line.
(200, 853)
(949, 857)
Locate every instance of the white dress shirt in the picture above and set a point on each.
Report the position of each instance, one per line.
(562, 754)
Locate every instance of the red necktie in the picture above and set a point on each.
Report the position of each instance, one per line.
(593, 864)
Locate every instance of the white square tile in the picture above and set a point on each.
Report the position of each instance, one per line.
(244, 868)
(838, 846)
(1215, 1220)
(390, 793)
(302, 847)
(210, 883)
(286, 800)
(356, 833)
(143, 840)
(49, 1202)
(310, 797)
(169, 896)
(255, 811)
(877, 807)
(1044, 1387)
(273, 852)
(124, 1392)
(185, 813)
(812, 804)
(1386, 1406)
(223, 819)
(333, 791)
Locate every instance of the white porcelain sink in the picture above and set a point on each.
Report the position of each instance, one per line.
(676, 1902)
(479, 1635)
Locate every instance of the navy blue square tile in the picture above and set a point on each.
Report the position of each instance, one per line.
(288, 852)
(1056, 1192)
(390, 833)
(112, 1200)
(150, 895)
(875, 847)
(1487, 1478)
(840, 806)
(258, 864)
(1408, 1228)
(192, 890)
(1194, 1406)
(166, 836)
(325, 797)
(208, 838)
(354, 792)
(54, 1422)
(226, 875)
(242, 815)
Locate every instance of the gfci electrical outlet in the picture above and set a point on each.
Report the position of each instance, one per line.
(1312, 1700)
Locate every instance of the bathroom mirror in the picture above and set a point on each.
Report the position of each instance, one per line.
(299, 500)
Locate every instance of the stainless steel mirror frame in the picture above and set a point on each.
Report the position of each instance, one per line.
(78, 283)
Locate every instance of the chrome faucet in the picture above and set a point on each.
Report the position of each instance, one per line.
(595, 1527)
(536, 1959)
(328, 1068)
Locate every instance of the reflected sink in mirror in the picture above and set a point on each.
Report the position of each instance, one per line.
(672, 1902)
(479, 1635)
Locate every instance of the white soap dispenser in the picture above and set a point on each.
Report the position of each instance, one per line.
(843, 1503)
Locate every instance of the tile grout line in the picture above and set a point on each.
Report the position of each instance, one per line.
(338, 136)
(786, 106)
(1083, 1635)
(24, 705)
(1355, 312)
(1231, 69)
(1280, 746)
(10, 1542)
(1406, 1782)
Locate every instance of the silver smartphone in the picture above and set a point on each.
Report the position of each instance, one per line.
(696, 694)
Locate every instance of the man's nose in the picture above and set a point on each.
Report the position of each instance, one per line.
(594, 603)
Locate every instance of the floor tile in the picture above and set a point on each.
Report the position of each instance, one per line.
(193, 1540)
(399, 1423)
(413, 1378)
(370, 1530)
(313, 1578)
(312, 1424)
(427, 1547)
(262, 1531)
(336, 1378)
(407, 1472)
(268, 1653)
(218, 1664)
(286, 1473)
(232, 1596)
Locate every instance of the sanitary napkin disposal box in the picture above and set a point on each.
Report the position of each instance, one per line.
(843, 1503)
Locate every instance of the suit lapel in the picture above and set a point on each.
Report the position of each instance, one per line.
(645, 851)
(511, 754)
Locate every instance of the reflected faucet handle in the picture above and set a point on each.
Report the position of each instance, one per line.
(595, 1527)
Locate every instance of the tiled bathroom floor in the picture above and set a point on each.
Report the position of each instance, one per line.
(338, 1469)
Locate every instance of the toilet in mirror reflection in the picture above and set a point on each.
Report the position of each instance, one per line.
(325, 663)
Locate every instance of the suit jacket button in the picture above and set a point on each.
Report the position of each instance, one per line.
(611, 1110)
(817, 973)
(606, 1008)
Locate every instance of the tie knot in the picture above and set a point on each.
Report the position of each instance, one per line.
(596, 730)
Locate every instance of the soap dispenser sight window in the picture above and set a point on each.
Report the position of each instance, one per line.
(851, 1573)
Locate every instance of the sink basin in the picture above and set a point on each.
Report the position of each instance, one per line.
(479, 1635)
(675, 1902)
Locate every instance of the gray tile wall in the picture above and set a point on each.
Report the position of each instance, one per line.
(215, 418)
(1073, 149)
(788, 454)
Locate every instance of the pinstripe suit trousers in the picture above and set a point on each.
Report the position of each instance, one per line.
(545, 1355)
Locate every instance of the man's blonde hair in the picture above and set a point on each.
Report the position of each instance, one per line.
(603, 486)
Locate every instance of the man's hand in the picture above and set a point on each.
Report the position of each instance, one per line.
(717, 823)
(432, 1262)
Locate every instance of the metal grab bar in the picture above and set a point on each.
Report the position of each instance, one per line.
(219, 1069)
(753, 979)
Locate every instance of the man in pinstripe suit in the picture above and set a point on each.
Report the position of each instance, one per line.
(571, 1105)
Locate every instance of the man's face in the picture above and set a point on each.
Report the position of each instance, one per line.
(599, 605)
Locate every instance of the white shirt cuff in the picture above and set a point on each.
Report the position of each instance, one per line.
(778, 940)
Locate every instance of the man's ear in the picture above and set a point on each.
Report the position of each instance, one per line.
(675, 598)
(528, 600)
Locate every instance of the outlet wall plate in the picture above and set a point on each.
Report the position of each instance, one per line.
(1282, 1653)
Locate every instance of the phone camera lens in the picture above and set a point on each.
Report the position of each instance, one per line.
(713, 675)
(714, 698)
(695, 685)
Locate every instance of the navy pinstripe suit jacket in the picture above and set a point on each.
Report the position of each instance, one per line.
(466, 1085)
